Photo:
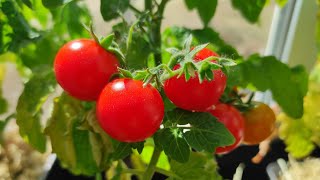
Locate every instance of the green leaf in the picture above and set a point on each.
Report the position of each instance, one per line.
(122, 149)
(205, 8)
(199, 167)
(27, 3)
(15, 30)
(51, 4)
(206, 132)
(3, 102)
(268, 73)
(250, 9)
(81, 150)
(110, 8)
(29, 111)
(139, 49)
(173, 144)
(208, 35)
(300, 77)
(146, 155)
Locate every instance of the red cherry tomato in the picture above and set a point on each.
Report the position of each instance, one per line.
(193, 95)
(129, 112)
(233, 120)
(82, 68)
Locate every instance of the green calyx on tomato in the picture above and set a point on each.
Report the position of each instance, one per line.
(193, 95)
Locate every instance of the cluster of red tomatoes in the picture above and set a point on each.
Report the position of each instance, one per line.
(130, 111)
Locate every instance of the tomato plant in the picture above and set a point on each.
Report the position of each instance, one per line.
(163, 85)
(201, 95)
(259, 123)
(233, 121)
(83, 67)
(128, 111)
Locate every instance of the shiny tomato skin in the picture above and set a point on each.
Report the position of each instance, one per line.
(82, 68)
(259, 124)
(129, 112)
(204, 53)
(192, 95)
(234, 122)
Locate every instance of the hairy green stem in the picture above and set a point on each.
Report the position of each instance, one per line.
(152, 165)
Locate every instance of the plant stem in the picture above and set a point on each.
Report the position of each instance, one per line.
(152, 165)
(134, 9)
(148, 5)
(167, 173)
(98, 176)
(132, 171)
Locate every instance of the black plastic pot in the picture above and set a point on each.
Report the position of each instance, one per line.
(227, 164)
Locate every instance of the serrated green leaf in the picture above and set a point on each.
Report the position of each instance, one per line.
(205, 8)
(206, 133)
(81, 151)
(51, 4)
(29, 106)
(109, 8)
(199, 167)
(268, 73)
(250, 9)
(173, 144)
(121, 150)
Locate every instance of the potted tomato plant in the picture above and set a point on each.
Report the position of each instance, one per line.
(140, 100)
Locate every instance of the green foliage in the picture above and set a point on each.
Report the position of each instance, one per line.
(3, 102)
(136, 48)
(80, 147)
(122, 150)
(250, 9)
(199, 167)
(205, 133)
(281, 2)
(173, 144)
(54, 3)
(205, 8)
(110, 8)
(11, 37)
(297, 137)
(303, 135)
(29, 106)
(268, 73)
